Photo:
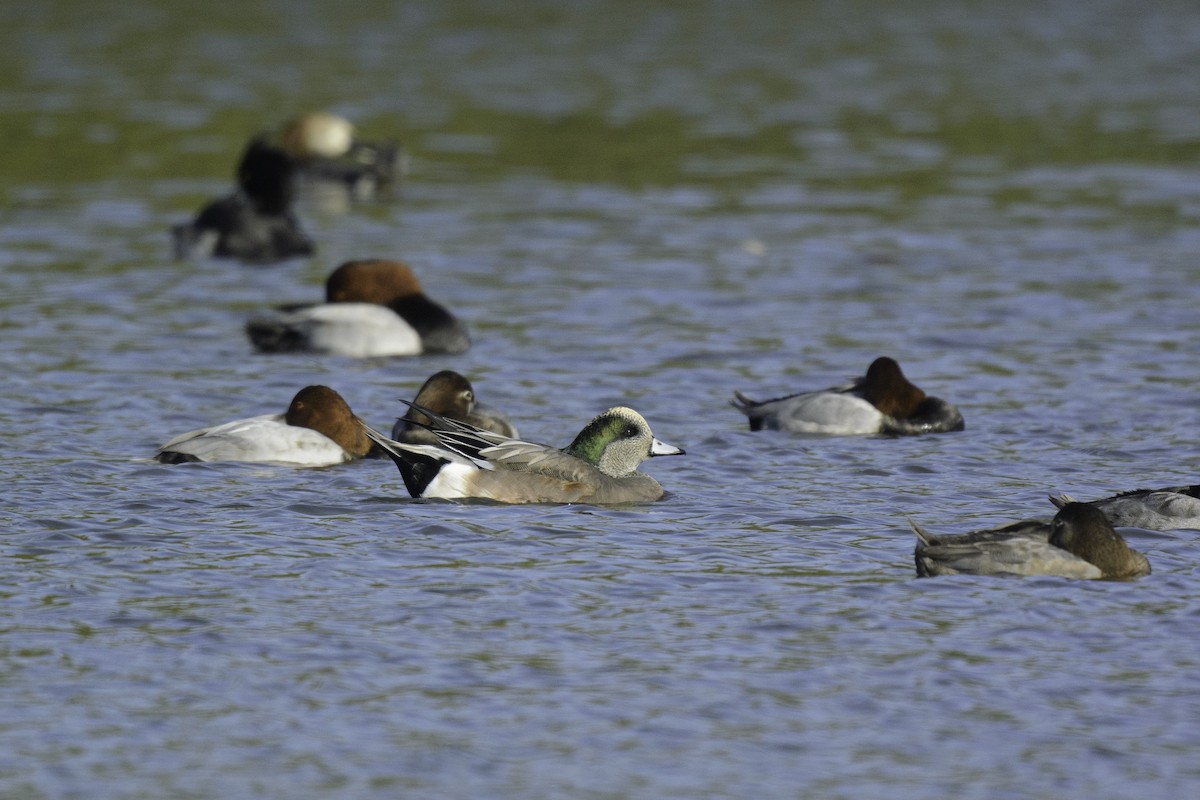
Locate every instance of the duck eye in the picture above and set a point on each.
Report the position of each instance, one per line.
(630, 432)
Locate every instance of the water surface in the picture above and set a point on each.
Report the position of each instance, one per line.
(649, 205)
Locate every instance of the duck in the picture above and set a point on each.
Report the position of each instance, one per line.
(1154, 509)
(451, 395)
(1078, 543)
(327, 150)
(317, 430)
(882, 401)
(372, 308)
(598, 468)
(255, 224)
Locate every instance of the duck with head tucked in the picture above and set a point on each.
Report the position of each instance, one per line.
(451, 395)
(1166, 509)
(882, 401)
(1078, 543)
(317, 430)
(256, 223)
(372, 308)
(327, 150)
(599, 467)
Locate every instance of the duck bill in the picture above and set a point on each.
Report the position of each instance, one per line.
(658, 448)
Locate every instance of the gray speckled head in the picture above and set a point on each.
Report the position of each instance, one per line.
(617, 441)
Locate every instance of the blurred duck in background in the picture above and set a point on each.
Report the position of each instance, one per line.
(255, 224)
(329, 154)
(372, 308)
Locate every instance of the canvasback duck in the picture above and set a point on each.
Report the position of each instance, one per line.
(318, 429)
(598, 467)
(1078, 543)
(327, 149)
(372, 308)
(255, 224)
(1154, 509)
(451, 395)
(882, 401)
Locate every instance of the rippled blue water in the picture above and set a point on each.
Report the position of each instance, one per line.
(650, 206)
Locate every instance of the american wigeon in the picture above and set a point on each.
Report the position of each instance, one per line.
(1156, 509)
(598, 467)
(1078, 543)
(372, 308)
(318, 429)
(255, 224)
(451, 395)
(882, 401)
